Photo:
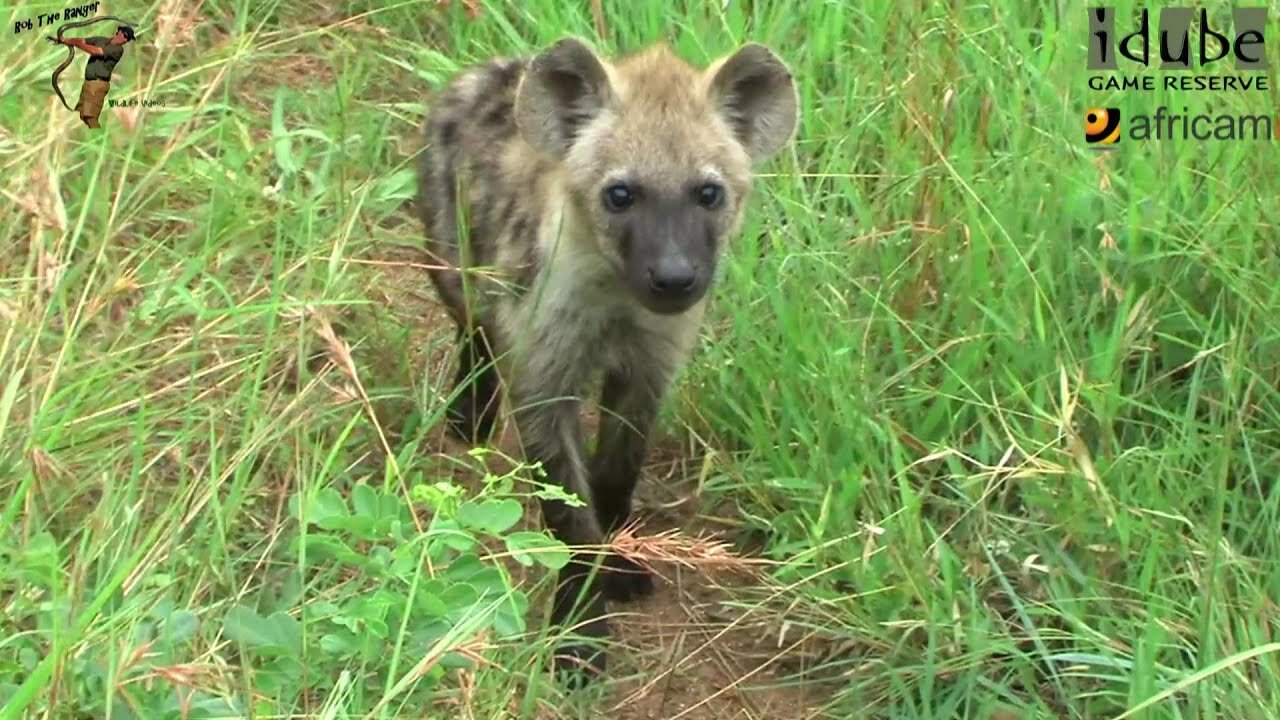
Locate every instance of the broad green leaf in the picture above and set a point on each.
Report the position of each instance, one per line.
(431, 604)
(364, 501)
(460, 596)
(321, 548)
(529, 547)
(246, 627)
(491, 516)
(509, 620)
(286, 631)
(456, 661)
(181, 626)
(327, 505)
(447, 534)
(489, 581)
(278, 634)
(338, 644)
(40, 561)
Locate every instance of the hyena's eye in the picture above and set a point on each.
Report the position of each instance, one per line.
(711, 196)
(618, 197)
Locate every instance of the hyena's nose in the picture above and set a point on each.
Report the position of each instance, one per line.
(672, 278)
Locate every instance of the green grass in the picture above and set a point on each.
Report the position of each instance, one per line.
(1006, 414)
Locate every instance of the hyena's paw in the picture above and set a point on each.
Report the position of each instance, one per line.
(577, 664)
(582, 659)
(624, 580)
(578, 609)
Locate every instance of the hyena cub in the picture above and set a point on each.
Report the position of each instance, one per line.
(592, 201)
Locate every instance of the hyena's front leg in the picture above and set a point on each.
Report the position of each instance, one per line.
(472, 414)
(629, 406)
(550, 432)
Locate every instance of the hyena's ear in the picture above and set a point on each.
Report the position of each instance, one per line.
(564, 88)
(756, 94)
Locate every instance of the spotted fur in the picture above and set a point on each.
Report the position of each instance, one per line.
(571, 283)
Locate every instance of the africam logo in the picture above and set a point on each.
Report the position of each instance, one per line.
(1103, 127)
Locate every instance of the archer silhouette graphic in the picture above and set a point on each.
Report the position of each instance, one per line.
(104, 53)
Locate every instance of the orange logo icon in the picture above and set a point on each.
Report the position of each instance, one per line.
(1102, 126)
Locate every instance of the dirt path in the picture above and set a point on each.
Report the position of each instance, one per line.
(688, 654)
(695, 657)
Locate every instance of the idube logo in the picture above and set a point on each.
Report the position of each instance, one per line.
(1238, 44)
